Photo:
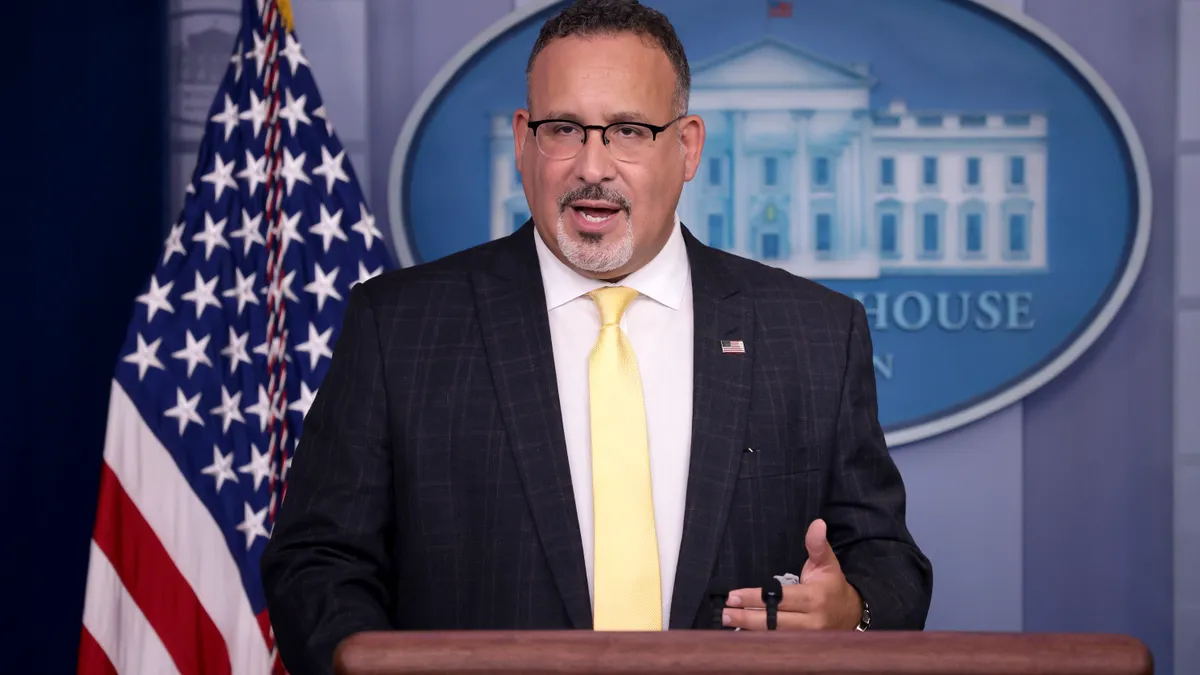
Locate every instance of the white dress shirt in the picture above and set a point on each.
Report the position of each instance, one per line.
(659, 325)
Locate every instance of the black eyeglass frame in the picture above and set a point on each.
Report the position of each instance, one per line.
(654, 129)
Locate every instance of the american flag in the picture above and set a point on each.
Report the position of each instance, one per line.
(228, 343)
(779, 9)
(733, 347)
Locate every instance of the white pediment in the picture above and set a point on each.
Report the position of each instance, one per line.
(773, 63)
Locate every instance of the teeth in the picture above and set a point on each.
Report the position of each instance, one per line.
(594, 219)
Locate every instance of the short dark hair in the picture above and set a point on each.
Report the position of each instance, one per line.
(585, 18)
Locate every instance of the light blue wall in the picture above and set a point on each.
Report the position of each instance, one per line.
(965, 511)
(1098, 468)
(1187, 345)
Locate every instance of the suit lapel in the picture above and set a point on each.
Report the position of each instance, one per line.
(720, 405)
(516, 333)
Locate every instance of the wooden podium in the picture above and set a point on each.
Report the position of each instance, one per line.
(700, 651)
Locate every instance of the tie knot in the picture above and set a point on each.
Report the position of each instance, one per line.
(612, 301)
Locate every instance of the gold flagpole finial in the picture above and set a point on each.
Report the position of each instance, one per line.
(285, 13)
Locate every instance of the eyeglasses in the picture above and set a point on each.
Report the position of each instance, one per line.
(627, 141)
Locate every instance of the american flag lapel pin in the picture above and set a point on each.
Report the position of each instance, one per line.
(733, 347)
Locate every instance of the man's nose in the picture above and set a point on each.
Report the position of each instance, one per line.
(594, 163)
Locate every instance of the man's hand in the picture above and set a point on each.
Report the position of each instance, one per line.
(822, 600)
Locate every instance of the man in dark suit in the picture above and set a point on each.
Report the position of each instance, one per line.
(597, 422)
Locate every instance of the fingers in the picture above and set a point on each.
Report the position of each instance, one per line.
(811, 604)
(756, 619)
(820, 553)
(797, 598)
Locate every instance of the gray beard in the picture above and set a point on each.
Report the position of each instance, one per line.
(596, 253)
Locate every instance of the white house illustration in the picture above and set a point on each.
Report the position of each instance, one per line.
(799, 173)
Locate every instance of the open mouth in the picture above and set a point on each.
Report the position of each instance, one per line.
(596, 217)
(596, 214)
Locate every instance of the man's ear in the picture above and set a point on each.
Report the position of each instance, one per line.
(691, 137)
(520, 125)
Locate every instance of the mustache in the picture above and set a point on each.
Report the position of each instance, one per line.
(593, 193)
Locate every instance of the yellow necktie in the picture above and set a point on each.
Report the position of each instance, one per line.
(627, 578)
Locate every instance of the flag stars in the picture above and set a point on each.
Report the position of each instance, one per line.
(289, 227)
(174, 242)
(259, 52)
(194, 352)
(213, 235)
(243, 290)
(329, 228)
(253, 525)
(282, 289)
(156, 298)
(331, 169)
(366, 226)
(259, 466)
(323, 285)
(221, 469)
(307, 396)
(146, 356)
(221, 176)
(202, 294)
(293, 111)
(316, 346)
(228, 410)
(236, 60)
(185, 410)
(293, 170)
(261, 410)
(236, 349)
(249, 232)
(256, 113)
(228, 117)
(320, 112)
(364, 273)
(293, 54)
(255, 171)
(273, 350)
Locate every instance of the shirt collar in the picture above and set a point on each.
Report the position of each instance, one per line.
(664, 279)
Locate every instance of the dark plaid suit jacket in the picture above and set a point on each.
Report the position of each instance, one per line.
(431, 490)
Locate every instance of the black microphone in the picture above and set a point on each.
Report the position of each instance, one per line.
(772, 593)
